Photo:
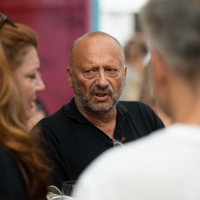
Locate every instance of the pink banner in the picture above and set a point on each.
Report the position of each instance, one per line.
(57, 24)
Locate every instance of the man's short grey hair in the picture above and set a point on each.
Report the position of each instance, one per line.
(90, 34)
(173, 30)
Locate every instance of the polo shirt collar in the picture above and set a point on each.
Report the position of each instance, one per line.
(121, 109)
(73, 112)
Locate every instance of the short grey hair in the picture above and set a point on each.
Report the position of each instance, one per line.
(173, 30)
(90, 34)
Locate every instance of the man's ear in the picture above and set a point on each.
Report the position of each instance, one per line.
(69, 77)
(125, 73)
(159, 70)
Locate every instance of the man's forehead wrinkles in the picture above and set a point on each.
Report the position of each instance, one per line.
(101, 58)
(90, 52)
(97, 42)
(94, 48)
(102, 64)
(100, 54)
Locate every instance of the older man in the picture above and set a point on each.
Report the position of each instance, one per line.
(164, 165)
(93, 120)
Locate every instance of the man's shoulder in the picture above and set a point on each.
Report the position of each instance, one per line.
(134, 105)
(58, 123)
(58, 116)
(52, 125)
(141, 113)
(137, 109)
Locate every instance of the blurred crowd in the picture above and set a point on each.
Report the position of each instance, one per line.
(139, 80)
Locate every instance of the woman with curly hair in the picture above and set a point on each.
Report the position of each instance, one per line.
(24, 173)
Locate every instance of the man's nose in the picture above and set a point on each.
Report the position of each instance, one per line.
(39, 84)
(102, 79)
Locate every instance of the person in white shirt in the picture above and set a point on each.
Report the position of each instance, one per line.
(166, 164)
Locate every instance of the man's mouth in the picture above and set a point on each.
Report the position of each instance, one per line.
(101, 96)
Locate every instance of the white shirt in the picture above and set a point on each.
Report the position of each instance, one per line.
(162, 166)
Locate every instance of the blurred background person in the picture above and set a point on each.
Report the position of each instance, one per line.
(136, 56)
(23, 170)
(38, 112)
(147, 95)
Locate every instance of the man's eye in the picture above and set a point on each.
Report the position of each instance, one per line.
(112, 72)
(88, 72)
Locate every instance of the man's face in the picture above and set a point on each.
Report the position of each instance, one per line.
(98, 75)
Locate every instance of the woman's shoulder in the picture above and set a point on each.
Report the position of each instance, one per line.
(7, 162)
(5, 157)
(12, 184)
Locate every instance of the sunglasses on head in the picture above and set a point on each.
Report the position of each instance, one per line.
(4, 19)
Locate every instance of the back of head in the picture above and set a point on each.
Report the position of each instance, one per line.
(173, 30)
(14, 45)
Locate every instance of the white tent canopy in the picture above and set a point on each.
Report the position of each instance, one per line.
(121, 6)
(117, 17)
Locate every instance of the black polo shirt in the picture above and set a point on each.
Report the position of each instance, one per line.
(74, 142)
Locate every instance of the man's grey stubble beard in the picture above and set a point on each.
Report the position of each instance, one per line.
(84, 101)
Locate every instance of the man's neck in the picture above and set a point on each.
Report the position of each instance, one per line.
(189, 114)
(105, 122)
(185, 106)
